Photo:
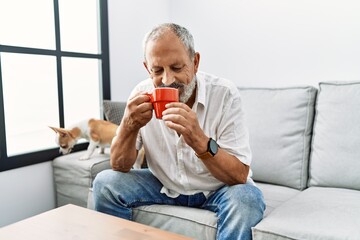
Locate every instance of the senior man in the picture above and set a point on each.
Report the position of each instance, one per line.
(198, 155)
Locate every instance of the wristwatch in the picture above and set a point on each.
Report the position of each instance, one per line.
(211, 150)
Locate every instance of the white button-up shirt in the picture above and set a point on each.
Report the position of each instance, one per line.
(172, 161)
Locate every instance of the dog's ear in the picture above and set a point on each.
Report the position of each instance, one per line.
(55, 129)
(60, 131)
(70, 134)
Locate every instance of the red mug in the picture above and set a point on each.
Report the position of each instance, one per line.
(162, 96)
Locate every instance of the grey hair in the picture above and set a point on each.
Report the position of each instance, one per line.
(182, 33)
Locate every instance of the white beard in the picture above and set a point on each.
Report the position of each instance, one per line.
(188, 91)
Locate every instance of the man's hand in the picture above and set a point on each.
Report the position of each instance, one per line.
(223, 166)
(138, 112)
(183, 120)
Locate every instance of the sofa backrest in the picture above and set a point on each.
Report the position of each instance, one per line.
(335, 156)
(280, 124)
(113, 111)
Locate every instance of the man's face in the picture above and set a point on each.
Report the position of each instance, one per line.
(169, 64)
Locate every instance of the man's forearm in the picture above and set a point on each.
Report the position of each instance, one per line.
(123, 149)
(227, 168)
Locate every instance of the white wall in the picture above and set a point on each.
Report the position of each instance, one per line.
(252, 42)
(277, 42)
(25, 192)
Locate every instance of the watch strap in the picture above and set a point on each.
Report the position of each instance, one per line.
(204, 155)
(208, 153)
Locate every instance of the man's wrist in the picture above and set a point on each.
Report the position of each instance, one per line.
(211, 150)
(202, 145)
(129, 126)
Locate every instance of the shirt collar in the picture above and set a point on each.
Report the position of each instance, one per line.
(201, 89)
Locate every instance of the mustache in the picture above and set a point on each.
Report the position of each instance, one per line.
(172, 85)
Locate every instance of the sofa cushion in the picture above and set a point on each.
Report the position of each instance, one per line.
(280, 125)
(74, 177)
(316, 213)
(275, 195)
(335, 157)
(179, 219)
(114, 111)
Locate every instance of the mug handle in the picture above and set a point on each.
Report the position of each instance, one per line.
(150, 96)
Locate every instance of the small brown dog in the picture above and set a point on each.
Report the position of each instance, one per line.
(99, 133)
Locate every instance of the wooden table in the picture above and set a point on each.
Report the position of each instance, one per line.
(73, 222)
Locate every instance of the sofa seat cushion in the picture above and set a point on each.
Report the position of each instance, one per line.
(275, 195)
(280, 124)
(335, 156)
(74, 177)
(192, 222)
(316, 213)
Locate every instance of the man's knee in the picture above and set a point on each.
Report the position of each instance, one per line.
(248, 196)
(102, 178)
(100, 181)
(109, 180)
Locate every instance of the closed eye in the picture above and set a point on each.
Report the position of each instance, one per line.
(157, 71)
(176, 69)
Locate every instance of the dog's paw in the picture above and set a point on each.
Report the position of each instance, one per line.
(84, 157)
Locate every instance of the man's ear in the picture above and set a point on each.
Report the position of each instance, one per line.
(196, 62)
(146, 67)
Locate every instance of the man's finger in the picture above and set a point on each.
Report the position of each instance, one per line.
(178, 105)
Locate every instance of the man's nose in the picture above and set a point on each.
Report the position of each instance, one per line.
(168, 79)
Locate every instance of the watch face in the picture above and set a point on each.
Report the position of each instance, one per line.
(213, 147)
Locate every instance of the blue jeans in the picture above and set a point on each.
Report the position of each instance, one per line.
(237, 207)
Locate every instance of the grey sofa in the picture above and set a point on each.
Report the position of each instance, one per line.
(306, 161)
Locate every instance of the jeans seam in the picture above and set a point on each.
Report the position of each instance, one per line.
(149, 202)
